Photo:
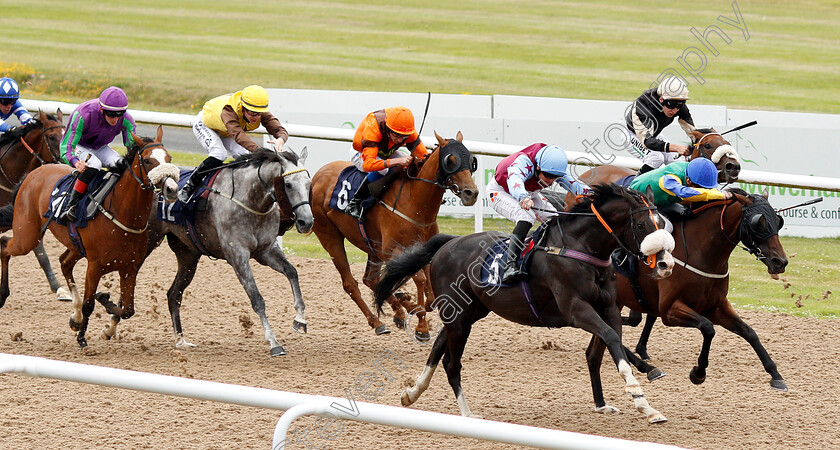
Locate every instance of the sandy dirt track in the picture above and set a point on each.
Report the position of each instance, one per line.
(523, 375)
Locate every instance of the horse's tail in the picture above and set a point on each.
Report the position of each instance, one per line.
(399, 269)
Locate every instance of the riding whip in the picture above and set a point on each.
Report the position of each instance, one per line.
(809, 202)
(741, 127)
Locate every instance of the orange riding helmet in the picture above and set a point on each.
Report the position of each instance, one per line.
(400, 120)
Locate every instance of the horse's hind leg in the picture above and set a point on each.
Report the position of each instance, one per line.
(411, 394)
(457, 334)
(729, 319)
(273, 257)
(21, 243)
(643, 366)
(240, 262)
(641, 346)
(681, 315)
(370, 278)
(187, 263)
(55, 285)
(421, 332)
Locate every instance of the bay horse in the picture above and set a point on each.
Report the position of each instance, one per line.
(709, 144)
(21, 151)
(115, 240)
(406, 214)
(577, 289)
(240, 224)
(696, 295)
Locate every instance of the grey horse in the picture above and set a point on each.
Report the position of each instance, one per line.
(254, 199)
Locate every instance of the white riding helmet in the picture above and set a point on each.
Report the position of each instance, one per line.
(673, 88)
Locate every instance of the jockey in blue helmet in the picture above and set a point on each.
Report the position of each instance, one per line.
(515, 192)
(10, 104)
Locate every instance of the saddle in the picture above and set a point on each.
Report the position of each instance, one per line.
(495, 257)
(98, 189)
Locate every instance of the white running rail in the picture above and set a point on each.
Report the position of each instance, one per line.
(298, 405)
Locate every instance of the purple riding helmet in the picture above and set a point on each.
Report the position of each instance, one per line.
(113, 99)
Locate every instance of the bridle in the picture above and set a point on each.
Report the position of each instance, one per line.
(446, 170)
(147, 185)
(41, 161)
(270, 190)
(746, 226)
(650, 209)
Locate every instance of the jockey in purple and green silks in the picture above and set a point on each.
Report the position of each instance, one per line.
(10, 105)
(93, 126)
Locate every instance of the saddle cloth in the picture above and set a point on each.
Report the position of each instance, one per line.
(347, 184)
(496, 256)
(179, 213)
(98, 188)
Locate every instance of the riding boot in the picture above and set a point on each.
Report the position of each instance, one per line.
(517, 242)
(354, 207)
(189, 189)
(78, 191)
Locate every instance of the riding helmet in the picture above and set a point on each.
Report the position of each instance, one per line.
(255, 98)
(400, 120)
(702, 172)
(113, 99)
(673, 88)
(552, 160)
(9, 88)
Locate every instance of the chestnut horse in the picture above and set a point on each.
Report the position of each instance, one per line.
(21, 151)
(570, 283)
(406, 215)
(708, 143)
(695, 296)
(115, 240)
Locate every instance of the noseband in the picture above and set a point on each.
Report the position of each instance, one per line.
(649, 260)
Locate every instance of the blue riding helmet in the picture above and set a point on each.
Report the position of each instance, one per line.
(552, 160)
(9, 88)
(702, 172)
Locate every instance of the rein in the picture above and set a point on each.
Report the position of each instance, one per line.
(268, 189)
(31, 152)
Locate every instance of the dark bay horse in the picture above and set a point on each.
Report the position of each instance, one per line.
(406, 215)
(253, 200)
(21, 151)
(116, 241)
(576, 289)
(696, 295)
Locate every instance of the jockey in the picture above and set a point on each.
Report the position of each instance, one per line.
(85, 146)
(694, 181)
(10, 104)
(221, 128)
(516, 189)
(377, 144)
(654, 110)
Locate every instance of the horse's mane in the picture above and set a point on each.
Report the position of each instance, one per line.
(261, 155)
(601, 193)
(126, 161)
(11, 136)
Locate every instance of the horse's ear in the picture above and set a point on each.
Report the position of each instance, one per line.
(159, 137)
(765, 193)
(649, 194)
(441, 141)
(459, 136)
(695, 136)
(41, 116)
(138, 141)
(60, 117)
(302, 156)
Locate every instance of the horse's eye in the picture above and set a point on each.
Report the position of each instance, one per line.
(146, 161)
(707, 146)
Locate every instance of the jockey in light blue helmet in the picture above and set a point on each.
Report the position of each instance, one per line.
(10, 104)
(702, 172)
(552, 160)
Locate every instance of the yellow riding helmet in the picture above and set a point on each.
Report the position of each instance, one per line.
(255, 98)
(400, 120)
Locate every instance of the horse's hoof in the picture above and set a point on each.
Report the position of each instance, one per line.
(82, 343)
(278, 351)
(75, 326)
(697, 375)
(104, 336)
(422, 337)
(381, 329)
(63, 295)
(655, 374)
(404, 399)
(184, 344)
(299, 327)
(779, 385)
(657, 418)
(400, 323)
(606, 409)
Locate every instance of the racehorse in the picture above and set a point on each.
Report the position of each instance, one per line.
(21, 151)
(695, 296)
(115, 240)
(576, 290)
(237, 225)
(405, 215)
(709, 144)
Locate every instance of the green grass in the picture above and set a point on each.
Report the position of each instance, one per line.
(172, 56)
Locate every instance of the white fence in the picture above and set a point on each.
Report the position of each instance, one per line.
(297, 405)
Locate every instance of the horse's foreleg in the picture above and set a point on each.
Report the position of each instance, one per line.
(187, 263)
(68, 261)
(586, 318)
(370, 279)
(421, 332)
(4, 272)
(681, 315)
(274, 258)
(411, 394)
(92, 277)
(242, 268)
(643, 366)
(641, 346)
(726, 317)
(55, 285)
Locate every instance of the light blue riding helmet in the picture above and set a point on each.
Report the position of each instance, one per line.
(552, 160)
(9, 88)
(702, 172)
